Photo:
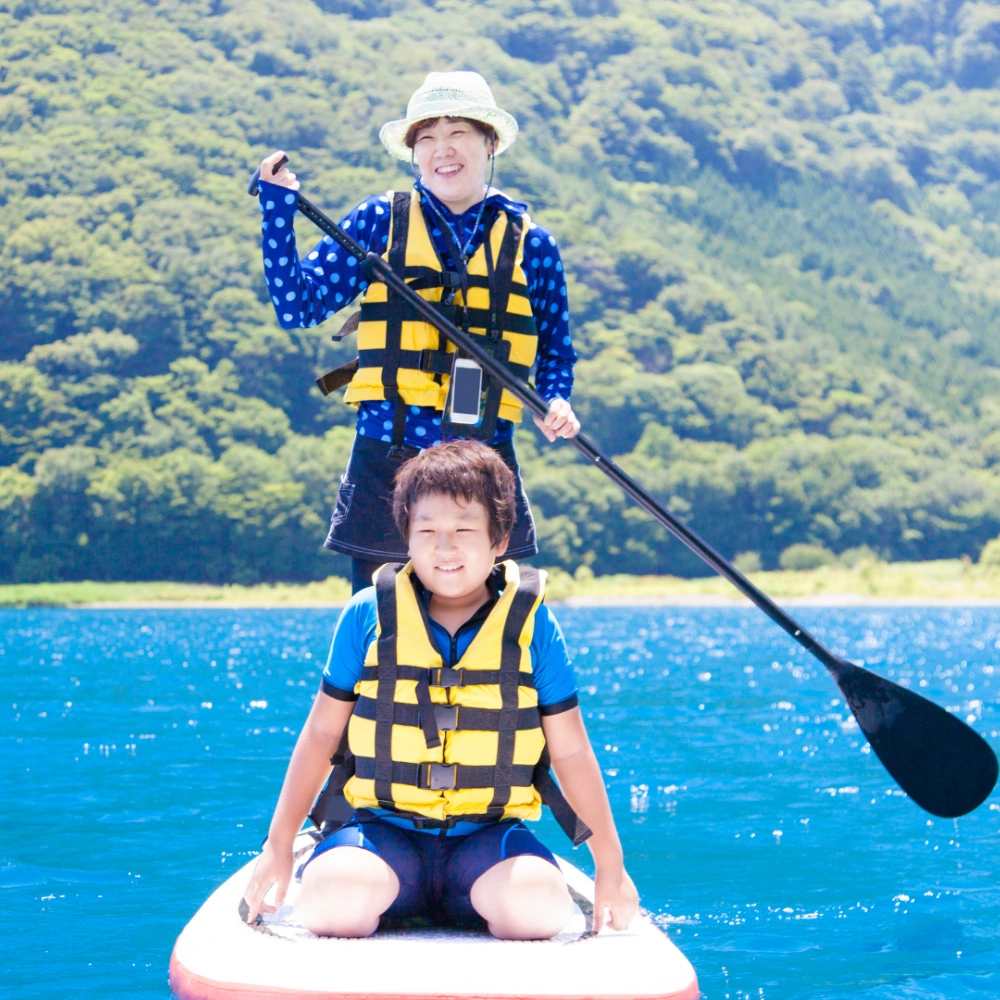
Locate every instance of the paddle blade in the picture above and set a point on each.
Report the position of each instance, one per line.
(943, 765)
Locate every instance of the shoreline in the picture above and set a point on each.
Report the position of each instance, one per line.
(676, 601)
(941, 583)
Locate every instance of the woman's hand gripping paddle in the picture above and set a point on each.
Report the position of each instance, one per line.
(942, 764)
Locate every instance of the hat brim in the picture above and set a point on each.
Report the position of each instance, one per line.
(393, 134)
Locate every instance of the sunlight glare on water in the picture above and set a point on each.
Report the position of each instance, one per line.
(144, 750)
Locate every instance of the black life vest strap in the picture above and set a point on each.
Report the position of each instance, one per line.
(437, 777)
(419, 277)
(338, 378)
(385, 595)
(426, 361)
(331, 809)
(449, 718)
(378, 312)
(552, 796)
(446, 677)
(394, 316)
(510, 672)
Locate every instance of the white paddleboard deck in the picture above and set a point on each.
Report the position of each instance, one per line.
(219, 957)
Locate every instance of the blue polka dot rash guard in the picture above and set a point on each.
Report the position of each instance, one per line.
(306, 292)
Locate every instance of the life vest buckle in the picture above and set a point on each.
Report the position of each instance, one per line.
(449, 677)
(436, 362)
(446, 717)
(438, 777)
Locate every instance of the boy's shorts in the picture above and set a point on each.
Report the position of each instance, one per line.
(436, 873)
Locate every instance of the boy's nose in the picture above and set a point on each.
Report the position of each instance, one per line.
(446, 543)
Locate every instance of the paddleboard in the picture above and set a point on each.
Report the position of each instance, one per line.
(219, 957)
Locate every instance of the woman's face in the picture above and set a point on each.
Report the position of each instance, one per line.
(452, 156)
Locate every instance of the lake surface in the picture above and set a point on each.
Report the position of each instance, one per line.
(142, 752)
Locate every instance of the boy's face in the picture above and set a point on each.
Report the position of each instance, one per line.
(450, 545)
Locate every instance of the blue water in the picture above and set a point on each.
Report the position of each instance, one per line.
(143, 751)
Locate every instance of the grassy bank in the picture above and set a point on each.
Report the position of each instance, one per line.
(943, 580)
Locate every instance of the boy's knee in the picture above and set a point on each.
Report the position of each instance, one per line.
(344, 893)
(523, 898)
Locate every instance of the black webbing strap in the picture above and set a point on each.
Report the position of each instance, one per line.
(501, 278)
(552, 796)
(450, 718)
(438, 362)
(419, 277)
(327, 809)
(394, 315)
(385, 596)
(513, 322)
(337, 378)
(436, 777)
(510, 674)
(504, 280)
(483, 281)
(376, 312)
(426, 714)
(446, 677)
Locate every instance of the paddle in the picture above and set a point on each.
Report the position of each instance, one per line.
(939, 761)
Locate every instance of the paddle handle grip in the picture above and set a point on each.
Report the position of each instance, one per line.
(254, 186)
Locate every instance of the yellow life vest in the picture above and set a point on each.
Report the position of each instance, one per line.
(402, 357)
(449, 742)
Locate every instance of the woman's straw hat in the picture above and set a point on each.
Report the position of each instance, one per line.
(458, 94)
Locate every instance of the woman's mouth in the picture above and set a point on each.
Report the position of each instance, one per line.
(449, 568)
(448, 170)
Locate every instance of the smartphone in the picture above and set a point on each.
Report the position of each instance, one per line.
(466, 391)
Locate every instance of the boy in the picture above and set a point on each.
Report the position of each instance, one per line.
(455, 685)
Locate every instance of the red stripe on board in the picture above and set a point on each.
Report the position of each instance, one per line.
(186, 985)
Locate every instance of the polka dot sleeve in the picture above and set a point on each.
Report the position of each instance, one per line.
(305, 292)
(547, 294)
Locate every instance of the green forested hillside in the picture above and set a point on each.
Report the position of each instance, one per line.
(779, 221)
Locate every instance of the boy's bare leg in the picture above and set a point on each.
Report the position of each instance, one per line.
(523, 899)
(344, 892)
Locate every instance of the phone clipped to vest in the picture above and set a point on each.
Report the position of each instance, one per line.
(465, 393)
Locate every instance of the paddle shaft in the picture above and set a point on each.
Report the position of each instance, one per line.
(378, 269)
(943, 764)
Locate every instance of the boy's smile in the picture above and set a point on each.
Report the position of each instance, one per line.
(452, 554)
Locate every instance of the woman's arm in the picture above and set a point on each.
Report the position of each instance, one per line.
(550, 307)
(582, 783)
(306, 775)
(306, 292)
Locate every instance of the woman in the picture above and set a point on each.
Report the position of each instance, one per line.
(461, 244)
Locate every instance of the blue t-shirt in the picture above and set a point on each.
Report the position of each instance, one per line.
(550, 664)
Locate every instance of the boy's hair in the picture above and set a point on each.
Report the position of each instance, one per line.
(463, 470)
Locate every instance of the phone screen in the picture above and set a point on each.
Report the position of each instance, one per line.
(466, 390)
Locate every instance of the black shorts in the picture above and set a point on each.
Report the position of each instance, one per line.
(362, 524)
(436, 873)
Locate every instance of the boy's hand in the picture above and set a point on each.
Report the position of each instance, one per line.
(273, 866)
(614, 891)
(283, 177)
